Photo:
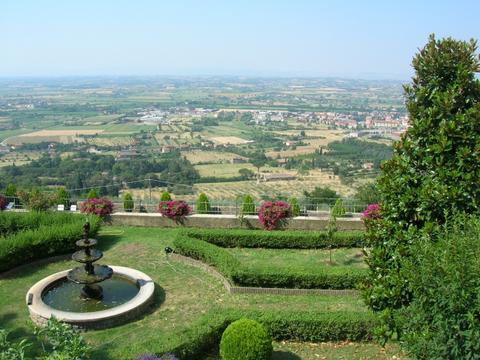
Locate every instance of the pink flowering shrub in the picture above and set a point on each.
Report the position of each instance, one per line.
(3, 203)
(272, 214)
(174, 209)
(98, 206)
(372, 212)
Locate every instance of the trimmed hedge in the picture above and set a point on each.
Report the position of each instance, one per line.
(43, 241)
(241, 275)
(205, 334)
(246, 339)
(13, 222)
(276, 239)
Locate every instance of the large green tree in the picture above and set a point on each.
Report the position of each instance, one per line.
(435, 167)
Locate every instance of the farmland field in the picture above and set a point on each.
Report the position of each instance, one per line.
(196, 157)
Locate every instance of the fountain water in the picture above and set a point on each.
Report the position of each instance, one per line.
(76, 297)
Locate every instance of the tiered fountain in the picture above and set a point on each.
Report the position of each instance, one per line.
(75, 296)
(89, 275)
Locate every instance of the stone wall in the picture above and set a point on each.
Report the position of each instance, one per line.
(229, 222)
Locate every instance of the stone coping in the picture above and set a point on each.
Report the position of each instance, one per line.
(41, 312)
(226, 221)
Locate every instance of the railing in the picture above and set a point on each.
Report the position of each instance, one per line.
(307, 206)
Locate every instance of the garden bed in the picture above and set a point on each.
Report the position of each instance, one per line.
(186, 301)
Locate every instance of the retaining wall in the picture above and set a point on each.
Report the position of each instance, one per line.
(229, 222)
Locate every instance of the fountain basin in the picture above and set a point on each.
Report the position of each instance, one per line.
(40, 311)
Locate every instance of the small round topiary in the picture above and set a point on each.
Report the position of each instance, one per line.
(246, 339)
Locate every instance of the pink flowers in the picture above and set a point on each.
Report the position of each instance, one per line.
(98, 206)
(272, 214)
(372, 212)
(174, 209)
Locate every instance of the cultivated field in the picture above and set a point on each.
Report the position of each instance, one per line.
(228, 140)
(196, 157)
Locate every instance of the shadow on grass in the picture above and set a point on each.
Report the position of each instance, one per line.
(284, 355)
(106, 240)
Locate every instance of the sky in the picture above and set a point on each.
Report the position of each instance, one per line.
(334, 38)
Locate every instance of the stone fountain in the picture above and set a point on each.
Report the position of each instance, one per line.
(89, 275)
(75, 296)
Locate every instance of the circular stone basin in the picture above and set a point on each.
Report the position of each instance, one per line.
(125, 296)
(66, 295)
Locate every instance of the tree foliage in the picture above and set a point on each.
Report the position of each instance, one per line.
(434, 170)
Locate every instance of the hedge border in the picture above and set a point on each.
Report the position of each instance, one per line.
(42, 242)
(241, 275)
(282, 325)
(287, 239)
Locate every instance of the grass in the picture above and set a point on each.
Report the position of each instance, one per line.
(183, 294)
(311, 261)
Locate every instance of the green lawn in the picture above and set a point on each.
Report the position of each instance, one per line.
(312, 260)
(183, 295)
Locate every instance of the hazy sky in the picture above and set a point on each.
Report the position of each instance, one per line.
(258, 38)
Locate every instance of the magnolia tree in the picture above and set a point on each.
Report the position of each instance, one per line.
(434, 170)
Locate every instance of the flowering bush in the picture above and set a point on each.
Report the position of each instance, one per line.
(98, 206)
(3, 203)
(272, 214)
(372, 212)
(174, 209)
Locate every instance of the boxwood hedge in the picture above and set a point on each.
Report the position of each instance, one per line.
(276, 239)
(13, 222)
(241, 275)
(43, 241)
(205, 334)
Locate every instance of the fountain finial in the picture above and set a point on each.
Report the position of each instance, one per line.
(86, 231)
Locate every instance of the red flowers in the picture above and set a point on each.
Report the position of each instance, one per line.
(3, 203)
(174, 209)
(98, 206)
(272, 214)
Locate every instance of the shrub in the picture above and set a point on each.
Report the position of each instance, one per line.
(42, 241)
(273, 214)
(37, 200)
(13, 222)
(434, 168)
(93, 194)
(98, 206)
(248, 206)
(442, 321)
(246, 339)
(241, 275)
(128, 202)
(12, 351)
(3, 203)
(288, 239)
(165, 196)
(293, 202)
(62, 341)
(203, 204)
(338, 209)
(63, 197)
(10, 190)
(174, 209)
